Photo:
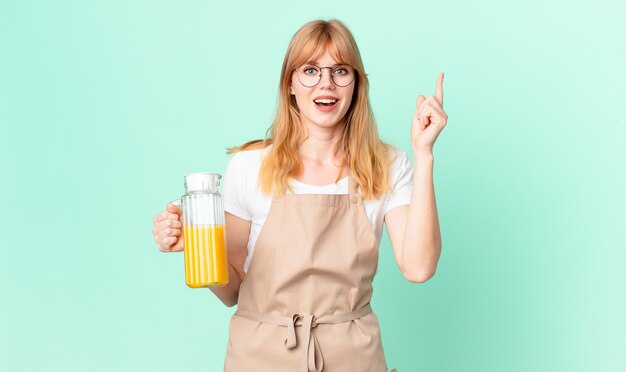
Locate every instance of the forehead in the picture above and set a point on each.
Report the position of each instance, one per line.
(315, 52)
(325, 60)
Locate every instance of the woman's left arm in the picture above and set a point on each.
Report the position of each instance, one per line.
(414, 229)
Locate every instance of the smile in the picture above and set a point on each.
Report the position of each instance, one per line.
(326, 103)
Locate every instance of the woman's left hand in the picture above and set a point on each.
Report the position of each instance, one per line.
(429, 119)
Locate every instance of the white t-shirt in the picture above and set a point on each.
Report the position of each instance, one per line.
(244, 199)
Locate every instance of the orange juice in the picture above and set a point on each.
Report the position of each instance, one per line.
(206, 263)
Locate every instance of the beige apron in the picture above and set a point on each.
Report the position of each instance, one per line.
(304, 303)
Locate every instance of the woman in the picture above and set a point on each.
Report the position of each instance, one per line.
(304, 217)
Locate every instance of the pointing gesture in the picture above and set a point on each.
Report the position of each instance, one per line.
(429, 119)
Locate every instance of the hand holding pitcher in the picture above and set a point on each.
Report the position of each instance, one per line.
(200, 222)
(167, 229)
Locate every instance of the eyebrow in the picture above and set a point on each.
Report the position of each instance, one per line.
(317, 63)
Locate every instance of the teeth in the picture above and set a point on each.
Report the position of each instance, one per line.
(325, 100)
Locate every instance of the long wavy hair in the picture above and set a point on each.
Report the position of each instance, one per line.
(365, 154)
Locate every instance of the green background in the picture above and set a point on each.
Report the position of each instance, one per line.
(105, 105)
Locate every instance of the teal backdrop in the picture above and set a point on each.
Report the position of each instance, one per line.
(105, 105)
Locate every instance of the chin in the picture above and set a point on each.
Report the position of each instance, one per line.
(327, 124)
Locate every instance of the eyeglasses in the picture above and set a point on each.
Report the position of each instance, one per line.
(310, 75)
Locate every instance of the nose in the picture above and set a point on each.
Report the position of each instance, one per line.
(326, 81)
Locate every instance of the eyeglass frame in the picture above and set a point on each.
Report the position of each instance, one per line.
(331, 74)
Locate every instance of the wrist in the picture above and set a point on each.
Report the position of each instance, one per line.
(421, 155)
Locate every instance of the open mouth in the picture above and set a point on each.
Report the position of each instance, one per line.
(326, 102)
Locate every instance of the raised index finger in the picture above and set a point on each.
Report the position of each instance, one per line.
(439, 89)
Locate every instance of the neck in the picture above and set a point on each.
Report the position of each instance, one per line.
(323, 145)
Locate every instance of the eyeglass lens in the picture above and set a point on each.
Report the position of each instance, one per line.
(310, 75)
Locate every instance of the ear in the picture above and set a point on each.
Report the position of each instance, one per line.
(291, 89)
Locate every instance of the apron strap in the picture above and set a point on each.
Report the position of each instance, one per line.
(353, 193)
(312, 360)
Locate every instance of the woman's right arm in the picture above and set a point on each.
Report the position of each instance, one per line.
(167, 235)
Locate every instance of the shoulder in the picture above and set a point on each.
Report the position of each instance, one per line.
(242, 196)
(249, 155)
(398, 161)
(247, 160)
(400, 172)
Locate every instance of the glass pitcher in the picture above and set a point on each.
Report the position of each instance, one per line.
(206, 262)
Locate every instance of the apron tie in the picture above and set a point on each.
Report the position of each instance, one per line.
(313, 351)
(312, 359)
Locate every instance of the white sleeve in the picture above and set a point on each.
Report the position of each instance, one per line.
(234, 188)
(401, 182)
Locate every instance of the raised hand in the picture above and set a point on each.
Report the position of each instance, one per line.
(429, 119)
